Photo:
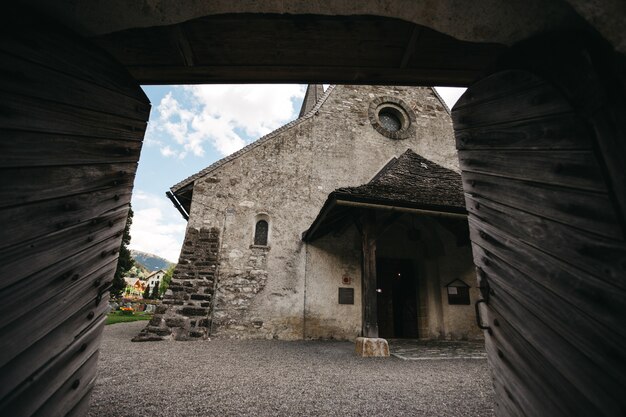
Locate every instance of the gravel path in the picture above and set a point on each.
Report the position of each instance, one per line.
(276, 378)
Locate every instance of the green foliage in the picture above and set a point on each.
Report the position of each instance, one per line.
(146, 293)
(167, 279)
(125, 261)
(118, 317)
(155, 291)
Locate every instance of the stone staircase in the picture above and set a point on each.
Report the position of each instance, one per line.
(186, 310)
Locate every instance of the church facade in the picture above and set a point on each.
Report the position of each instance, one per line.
(274, 242)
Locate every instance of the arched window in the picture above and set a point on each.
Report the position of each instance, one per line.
(260, 233)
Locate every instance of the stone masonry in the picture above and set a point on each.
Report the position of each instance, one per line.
(185, 313)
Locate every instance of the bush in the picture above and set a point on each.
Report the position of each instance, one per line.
(126, 311)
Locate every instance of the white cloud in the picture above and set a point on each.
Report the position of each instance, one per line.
(157, 227)
(191, 117)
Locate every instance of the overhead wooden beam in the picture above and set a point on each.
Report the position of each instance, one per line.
(410, 46)
(184, 47)
(224, 74)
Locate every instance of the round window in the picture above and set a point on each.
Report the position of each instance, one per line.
(391, 117)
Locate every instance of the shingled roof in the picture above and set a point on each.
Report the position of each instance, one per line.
(411, 180)
(406, 182)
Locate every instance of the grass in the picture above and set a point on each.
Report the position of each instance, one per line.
(115, 317)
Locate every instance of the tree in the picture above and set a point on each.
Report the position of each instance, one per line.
(167, 278)
(155, 291)
(125, 261)
(146, 292)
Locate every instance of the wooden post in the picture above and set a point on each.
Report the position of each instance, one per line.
(368, 289)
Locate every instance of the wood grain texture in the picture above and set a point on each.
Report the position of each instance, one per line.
(18, 371)
(33, 393)
(28, 258)
(72, 121)
(549, 246)
(583, 210)
(84, 150)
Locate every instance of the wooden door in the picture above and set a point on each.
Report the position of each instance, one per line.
(397, 299)
(546, 224)
(72, 123)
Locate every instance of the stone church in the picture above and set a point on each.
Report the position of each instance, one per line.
(347, 221)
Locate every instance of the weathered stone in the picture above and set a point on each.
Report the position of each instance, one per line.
(176, 322)
(371, 347)
(200, 296)
(193, 311)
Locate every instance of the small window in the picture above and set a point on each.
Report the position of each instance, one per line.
(260, 233)
(389, 119)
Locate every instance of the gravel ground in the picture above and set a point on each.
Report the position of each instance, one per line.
(276, 378)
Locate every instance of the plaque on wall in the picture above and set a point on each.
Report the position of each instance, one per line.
(458, 292)
(346, 295)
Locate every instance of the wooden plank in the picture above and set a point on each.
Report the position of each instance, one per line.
(43, 149)
(592, 212)
(34, 392)
(604, 258)
(369, 296)
(534, 102)
(562, 131)
(569, 168)
(90, 269)
(20, 76)
(19, 186)
(47, 45)
(23, 223)
(566, 369)
(82, 407)
(46, 317)
(72, 391)
(583, 334)
(525, 393)
(496, 87)
(514, 383)
(600, 300)
(22, 260)
(19, 370)
(35, 115)
(348, 74)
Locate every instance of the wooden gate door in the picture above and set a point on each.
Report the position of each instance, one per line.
(545, 198)
(71, 124)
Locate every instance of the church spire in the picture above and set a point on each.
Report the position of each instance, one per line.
(313, 94)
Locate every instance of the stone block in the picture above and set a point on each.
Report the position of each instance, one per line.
(371, 347)
(193, 311)
(175, 322)
(203, 297)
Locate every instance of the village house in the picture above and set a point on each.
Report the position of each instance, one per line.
(154, 279)
(348, 221)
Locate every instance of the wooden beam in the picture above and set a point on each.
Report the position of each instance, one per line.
(184, 47)
(410, 47)
(368, 288)
(206, 74)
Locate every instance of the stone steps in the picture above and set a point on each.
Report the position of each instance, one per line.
(185, 312)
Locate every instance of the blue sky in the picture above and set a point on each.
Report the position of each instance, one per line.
(191, 127)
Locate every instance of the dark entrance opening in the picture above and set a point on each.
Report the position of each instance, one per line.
(397, 298)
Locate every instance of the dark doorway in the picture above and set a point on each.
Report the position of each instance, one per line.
(397, 298)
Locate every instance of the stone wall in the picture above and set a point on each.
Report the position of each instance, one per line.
(286, 179)
(185, 312)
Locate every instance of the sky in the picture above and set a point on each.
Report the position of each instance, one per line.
(192, 126)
